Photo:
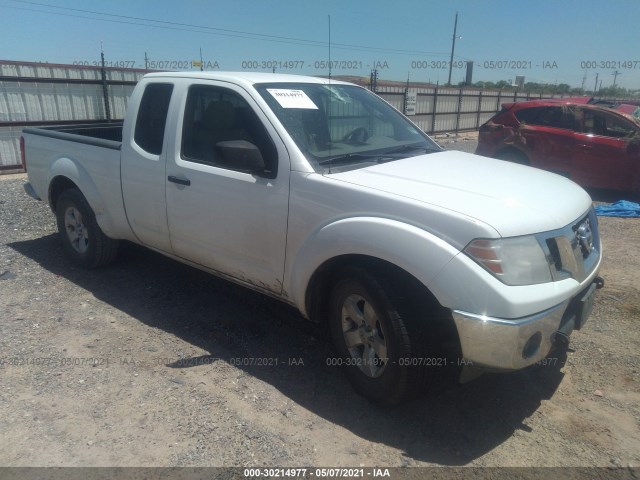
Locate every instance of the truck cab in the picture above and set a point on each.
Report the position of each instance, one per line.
(324, 196)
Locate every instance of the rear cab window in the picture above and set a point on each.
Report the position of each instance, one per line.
(152, 117)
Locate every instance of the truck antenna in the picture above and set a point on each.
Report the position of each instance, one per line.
(329, 47)
(328, 113)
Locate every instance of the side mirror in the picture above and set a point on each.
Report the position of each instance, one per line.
(240, 155)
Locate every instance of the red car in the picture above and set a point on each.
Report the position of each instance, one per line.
(594, 146)
(629, 109)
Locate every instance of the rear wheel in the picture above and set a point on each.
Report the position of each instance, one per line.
(380, 341)
(81, 236)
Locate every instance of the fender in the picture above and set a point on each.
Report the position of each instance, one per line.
(410, 248)
(74, 171)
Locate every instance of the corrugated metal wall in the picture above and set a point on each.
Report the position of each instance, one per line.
(441, 109)
(9, 146)
(32, 94)
(72, 72)
(47, 102)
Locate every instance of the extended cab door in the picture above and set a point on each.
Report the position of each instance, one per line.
(223, 212)
(143, 163)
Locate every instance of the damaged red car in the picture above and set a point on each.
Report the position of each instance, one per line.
(593, 146)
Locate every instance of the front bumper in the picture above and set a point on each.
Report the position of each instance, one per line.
(505, 344)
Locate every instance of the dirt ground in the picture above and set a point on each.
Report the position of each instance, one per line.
(144, 363)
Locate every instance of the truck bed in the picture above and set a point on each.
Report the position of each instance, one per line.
(107, 135)
(81, 153)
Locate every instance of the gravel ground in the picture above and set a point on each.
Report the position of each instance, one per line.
(136, 364)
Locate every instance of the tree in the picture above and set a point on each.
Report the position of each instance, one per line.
(616, 92)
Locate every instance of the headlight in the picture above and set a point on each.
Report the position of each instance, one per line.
(514, 261)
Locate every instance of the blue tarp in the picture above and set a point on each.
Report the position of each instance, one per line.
(621, 208)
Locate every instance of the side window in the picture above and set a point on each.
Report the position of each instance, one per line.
(528, 115)
(152, 117)
(543, 116)
(606, 125)
(213, 115)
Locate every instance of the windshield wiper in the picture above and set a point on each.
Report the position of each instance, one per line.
(378, 157)
(410, 148)
(347, 157)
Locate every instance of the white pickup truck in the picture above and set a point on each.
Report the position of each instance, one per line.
(319, 193)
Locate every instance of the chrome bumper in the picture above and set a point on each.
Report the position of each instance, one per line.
(497, 343)
(501, 344)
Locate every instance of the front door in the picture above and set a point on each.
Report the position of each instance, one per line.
(604, 156)
(220, 215)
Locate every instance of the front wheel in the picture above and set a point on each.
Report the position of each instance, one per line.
(81, 236)
(380, 341)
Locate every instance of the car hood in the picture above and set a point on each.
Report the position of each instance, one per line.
(513, 199)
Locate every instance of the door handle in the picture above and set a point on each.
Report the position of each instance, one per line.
(179, 181)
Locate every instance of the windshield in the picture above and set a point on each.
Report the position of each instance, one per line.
(343, 127)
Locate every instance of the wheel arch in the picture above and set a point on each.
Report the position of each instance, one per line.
(65, 174)
(57, 186)
(319, 286)
(368, 241)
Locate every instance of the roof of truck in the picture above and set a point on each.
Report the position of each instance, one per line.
(247, 77)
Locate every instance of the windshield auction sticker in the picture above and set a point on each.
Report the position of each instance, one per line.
(288, 98)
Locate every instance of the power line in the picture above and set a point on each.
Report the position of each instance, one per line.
(129, 17)
(153, 26)
(211, 30)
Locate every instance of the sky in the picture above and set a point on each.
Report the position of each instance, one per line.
(547, 41)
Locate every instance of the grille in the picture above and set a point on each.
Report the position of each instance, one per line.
(573, 251)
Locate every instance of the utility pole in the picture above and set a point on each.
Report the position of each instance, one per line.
(584, 79)
(406, 95)
(201, 62)
(453, 47)
(595, 87)
(373, 81)
(146, 61)
(329, 21)
(615, 77)
(105, 87)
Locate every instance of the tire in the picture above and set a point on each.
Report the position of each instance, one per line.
(83, 240)
(379, 339)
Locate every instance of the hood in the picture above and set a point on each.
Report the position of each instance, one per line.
(511, 198)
